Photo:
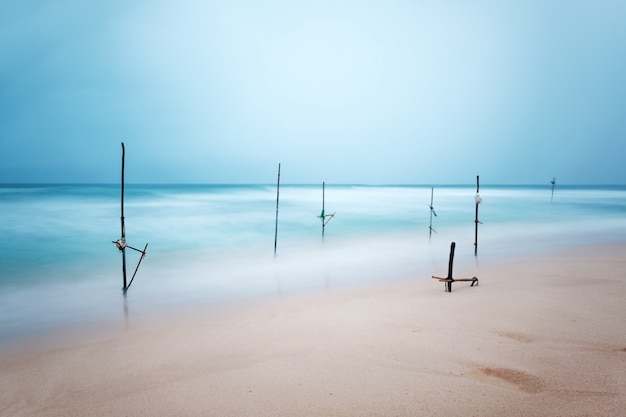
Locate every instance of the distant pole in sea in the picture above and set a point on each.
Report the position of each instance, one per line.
(432, 212)
(477, 200)
(277, 197)
(553, 182)
(323, 216)
(323, 204)
(121, 242)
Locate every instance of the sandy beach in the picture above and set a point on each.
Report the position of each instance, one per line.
(541, 336)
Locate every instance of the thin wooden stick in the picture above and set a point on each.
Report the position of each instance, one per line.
(323, 215)
(143, 254)
(277, 197)
(432, 211)
(478, 201)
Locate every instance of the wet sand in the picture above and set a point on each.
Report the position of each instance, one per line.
(539, 336)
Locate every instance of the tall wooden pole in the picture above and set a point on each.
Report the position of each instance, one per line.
(277, 197)
(121, 242)
(477, 200)
(123, 239)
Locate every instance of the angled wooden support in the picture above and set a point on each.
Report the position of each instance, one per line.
(449, 279)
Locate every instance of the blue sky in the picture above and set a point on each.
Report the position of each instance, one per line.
(377, 92)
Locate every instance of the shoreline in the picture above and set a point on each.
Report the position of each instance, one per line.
(540, 335)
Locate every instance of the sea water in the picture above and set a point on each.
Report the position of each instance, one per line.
(213, 243)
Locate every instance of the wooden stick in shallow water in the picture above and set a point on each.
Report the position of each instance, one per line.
(277, 195)
(432, 211)
(323, 215)
(478, 200)
(323, 202)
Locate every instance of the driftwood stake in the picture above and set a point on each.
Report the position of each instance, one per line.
(277, 196)
(449, 279)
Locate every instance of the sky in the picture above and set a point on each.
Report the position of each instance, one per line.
(355, 91)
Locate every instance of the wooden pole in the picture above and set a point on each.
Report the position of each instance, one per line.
(323, 202)
(123, 238)
(432, 211)
(323, 216)
(277, 197)
(477, 201)
(450, 263)
(553, 182)
(121, 242)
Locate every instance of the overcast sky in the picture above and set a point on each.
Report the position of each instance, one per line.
(376, 92)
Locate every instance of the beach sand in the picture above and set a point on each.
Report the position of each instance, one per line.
(542, 336)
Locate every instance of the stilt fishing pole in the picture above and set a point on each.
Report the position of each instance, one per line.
(323, 216)
(121, 242)
(277, 196)
(432, 212)
(553, 182)
(478, 200)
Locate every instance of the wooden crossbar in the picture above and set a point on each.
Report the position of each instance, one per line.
(473, 280)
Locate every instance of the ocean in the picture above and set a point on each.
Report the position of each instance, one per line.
(210, 244)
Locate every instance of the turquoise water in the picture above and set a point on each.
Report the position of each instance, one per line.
(211, 243)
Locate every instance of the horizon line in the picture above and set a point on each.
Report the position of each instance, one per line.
(547, 184)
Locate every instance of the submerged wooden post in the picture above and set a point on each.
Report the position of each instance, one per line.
(323, 216)
(449, 279)
(432, 212)
(478, 200)
(277, 196)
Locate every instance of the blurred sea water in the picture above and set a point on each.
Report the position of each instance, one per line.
(214, 243)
